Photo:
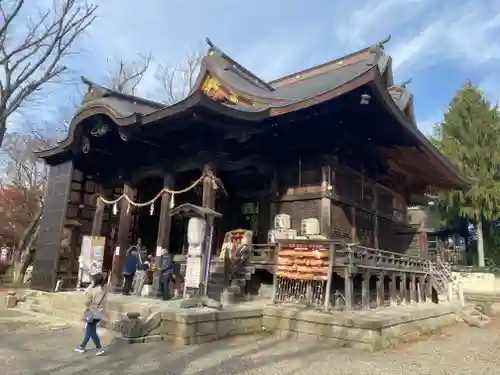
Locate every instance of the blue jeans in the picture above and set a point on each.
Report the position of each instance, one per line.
(91, 333)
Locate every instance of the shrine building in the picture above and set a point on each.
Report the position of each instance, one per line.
(336, 143)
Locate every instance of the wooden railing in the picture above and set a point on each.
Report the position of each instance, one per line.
(355, 255)
(369, 258)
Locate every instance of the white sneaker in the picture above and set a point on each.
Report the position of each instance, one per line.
(79, 349)
(99, 351)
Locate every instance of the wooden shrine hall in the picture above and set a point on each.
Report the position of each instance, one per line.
(336, 142)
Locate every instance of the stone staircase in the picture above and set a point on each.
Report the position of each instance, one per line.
(448, 289)
(446, 286)
(217, 281)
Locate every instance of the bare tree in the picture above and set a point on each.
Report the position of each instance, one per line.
(21, 198)
(125, 76)
(34, 55)
(21, 168)
(177, 80)
(27, 173)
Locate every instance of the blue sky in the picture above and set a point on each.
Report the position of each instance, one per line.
(438, 43)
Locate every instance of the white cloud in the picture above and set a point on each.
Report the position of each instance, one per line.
(467, 33)
(376, 18)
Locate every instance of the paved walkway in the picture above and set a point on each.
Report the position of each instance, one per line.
(39, 345)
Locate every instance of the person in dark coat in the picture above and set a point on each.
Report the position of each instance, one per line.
(129, 269)
(166, 272)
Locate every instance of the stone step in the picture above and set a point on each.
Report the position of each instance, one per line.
(220, 269)
(220, 282)
(220, 276)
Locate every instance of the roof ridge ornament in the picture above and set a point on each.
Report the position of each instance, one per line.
(94, 91)
(378, 49)
(214, 50)
(381, 44)
(405, 82)
(400, 86)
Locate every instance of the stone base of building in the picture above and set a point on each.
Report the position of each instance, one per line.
(146, 320)
(366, 329)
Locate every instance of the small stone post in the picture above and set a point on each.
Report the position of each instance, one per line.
(131, 328)
(10, 300)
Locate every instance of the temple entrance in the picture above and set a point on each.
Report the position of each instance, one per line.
(146, 218)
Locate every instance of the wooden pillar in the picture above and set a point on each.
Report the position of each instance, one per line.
(208, 198)
(381, 290)
(393, 290)
(326, 204)
(163, 236)
(403, 290)
(420, 289)
(348, 289)
(413, 288)
(46, 257)
(273, 205)
(365, 290)
(353, 229)
(375, 219)
(428, 288)
(97, 219)
(123, 240)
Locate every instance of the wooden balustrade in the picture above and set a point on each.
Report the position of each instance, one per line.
(368, 258)
(263, 256)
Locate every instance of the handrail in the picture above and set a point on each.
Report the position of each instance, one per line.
(386, 252)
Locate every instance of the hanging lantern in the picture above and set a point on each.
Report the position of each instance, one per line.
(115, 209)
(172, 204)
(152, 209)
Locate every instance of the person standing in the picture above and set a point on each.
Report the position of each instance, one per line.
(129, 269)
(94, 307)
(142, 273)
(166, 272)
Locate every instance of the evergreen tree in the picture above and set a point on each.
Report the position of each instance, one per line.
(469, 136)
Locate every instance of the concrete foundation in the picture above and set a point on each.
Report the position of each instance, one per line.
(142, 320)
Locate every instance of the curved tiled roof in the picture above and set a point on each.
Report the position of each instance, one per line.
(369, 66)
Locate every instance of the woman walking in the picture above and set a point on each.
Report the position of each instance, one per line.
(94, 306)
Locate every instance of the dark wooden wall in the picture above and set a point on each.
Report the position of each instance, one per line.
(361, 211)
(46, 263)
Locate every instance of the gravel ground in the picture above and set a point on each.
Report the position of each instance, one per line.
(43, 346)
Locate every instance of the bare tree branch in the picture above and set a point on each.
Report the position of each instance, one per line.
(31, 60)
(20, 166)
(177, 80)
(125, 76)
